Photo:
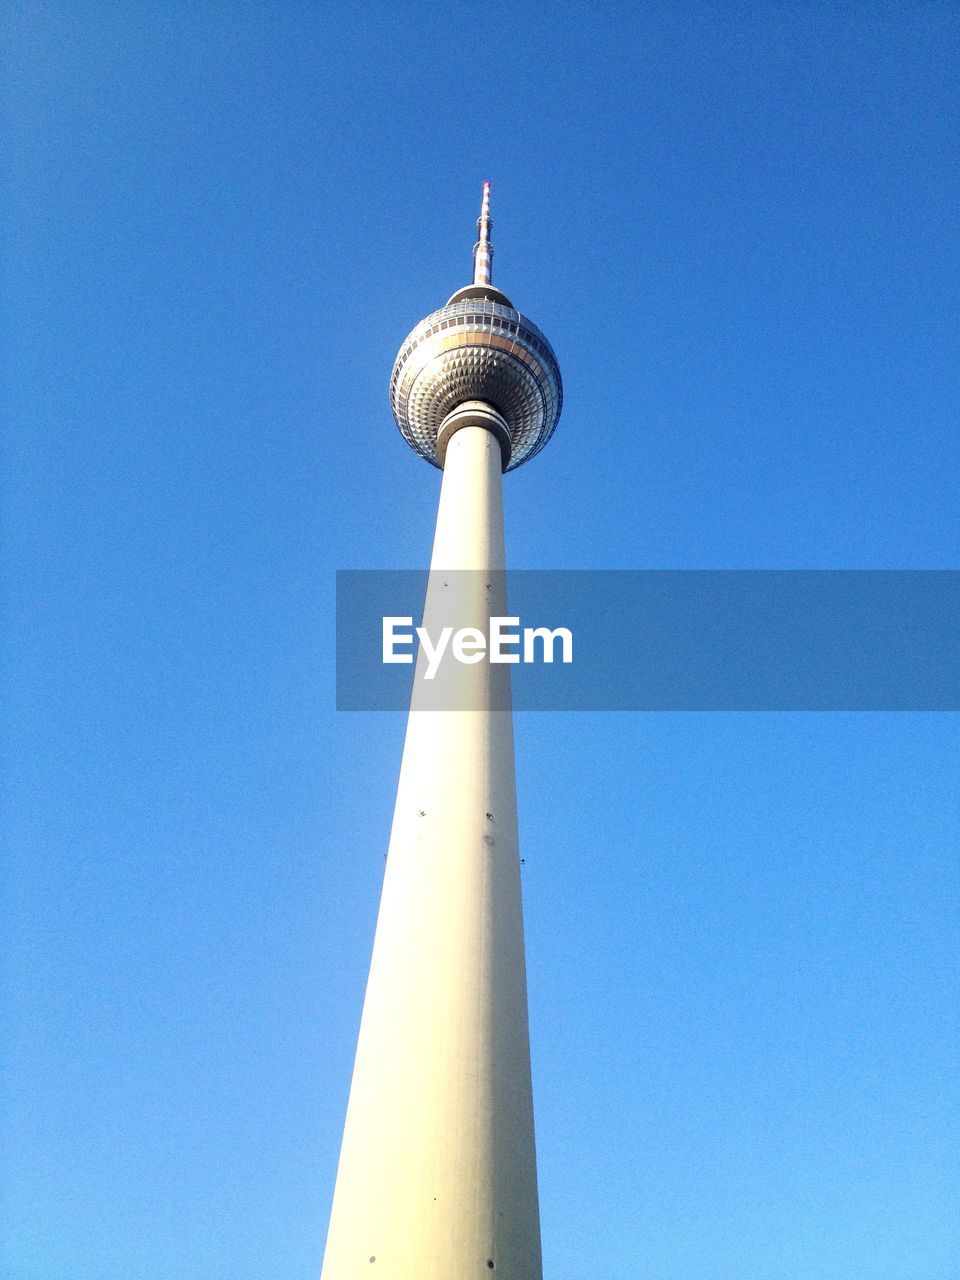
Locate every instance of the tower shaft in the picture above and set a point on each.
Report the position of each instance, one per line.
(437, 1175)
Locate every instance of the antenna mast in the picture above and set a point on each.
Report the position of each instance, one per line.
(483, 249)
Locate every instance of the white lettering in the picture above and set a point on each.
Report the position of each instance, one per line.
(500, 637)
(391, 639)
(434, 653)
(469, 645)
(530, 635)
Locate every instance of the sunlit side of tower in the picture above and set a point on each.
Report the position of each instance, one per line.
(437, 1174)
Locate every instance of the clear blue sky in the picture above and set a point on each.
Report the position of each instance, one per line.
(738, 225)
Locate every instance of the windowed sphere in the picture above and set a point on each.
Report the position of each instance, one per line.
(477, 349)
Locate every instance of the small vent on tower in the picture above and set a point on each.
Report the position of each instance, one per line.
(490, 1263)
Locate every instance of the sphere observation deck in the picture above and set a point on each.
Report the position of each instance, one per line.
(477, 348)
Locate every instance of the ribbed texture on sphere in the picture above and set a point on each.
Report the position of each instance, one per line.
(477, 350)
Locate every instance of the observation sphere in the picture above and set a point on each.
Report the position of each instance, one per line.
(477, 348)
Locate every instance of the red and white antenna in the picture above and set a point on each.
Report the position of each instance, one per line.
(483, 249)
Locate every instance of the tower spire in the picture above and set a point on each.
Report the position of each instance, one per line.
(483, 249)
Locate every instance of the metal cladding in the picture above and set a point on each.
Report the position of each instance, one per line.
(477, 347)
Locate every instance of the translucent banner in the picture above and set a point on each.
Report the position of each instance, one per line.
(611, 640)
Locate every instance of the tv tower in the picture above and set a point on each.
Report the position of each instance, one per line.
(437, 1176)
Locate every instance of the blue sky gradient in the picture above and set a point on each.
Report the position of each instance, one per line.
(737, 223)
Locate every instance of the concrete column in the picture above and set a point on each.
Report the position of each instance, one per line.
(437, 1175)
